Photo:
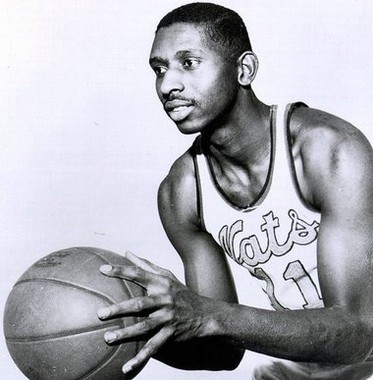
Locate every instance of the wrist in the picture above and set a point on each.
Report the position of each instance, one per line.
(215, 318)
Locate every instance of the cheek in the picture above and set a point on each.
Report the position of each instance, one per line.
(220, 97)
(220, 88)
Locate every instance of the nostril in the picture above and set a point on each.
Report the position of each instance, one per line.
(171, 95)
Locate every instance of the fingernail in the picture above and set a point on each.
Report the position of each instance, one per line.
(103, 313)
(110, 336)
(106, 268)
(127, 368)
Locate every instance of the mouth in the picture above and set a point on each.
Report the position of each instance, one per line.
(178, 110)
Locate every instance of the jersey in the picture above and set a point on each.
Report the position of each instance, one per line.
(275, 239)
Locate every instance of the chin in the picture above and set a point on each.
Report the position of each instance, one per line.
(189, 127)
(188, 131)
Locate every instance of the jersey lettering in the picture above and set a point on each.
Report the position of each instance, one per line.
(270, 288)
(295, 271)
(250, 253)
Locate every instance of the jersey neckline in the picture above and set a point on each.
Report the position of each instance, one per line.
(267, 185)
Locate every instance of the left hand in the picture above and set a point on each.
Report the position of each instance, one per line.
(174, 312)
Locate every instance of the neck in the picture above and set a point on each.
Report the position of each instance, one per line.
(242, 137)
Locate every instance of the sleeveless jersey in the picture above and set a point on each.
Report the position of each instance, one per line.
(275, 238)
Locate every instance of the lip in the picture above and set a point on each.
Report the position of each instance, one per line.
(178, 110)
(174, 105)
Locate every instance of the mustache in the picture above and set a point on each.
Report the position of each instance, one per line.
(174, 101)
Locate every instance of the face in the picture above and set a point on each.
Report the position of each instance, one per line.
(193, 81)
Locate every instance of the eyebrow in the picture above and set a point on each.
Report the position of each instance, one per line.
(183, 53)
(180, 54)
(157, 60)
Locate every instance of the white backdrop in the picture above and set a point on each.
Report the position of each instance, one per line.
(84, 141)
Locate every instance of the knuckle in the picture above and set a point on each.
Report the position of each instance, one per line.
(170, 315)
(112, 310)
(145, 325)
(138, 304)
(166, 283)
(139, 272)
(170, 332)
(119, 308)
(150, 348)
(121, 334)
(117, 270)
(168, 300)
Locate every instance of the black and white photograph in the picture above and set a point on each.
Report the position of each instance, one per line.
(186, 190)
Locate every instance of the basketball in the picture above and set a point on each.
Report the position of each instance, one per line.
(50, 320)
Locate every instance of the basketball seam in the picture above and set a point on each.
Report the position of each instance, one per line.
(101, 365)
(125, 285)
(129, 290)
(114, 355)
(67, 284)
(123, 282)
(65, 334)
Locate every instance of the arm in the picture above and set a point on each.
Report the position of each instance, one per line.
(341, 332)
(208, 277)
(206, 269)
(336, 175)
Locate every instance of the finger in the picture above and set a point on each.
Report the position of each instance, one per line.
(134, 306)
(144, 264)
(149, 349)
(145, 326)
(131, 273)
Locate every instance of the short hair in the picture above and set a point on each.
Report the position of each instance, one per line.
(224, 28)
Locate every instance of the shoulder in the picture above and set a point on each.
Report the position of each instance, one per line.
(332, 152)
(311, 120)
(177, 194)
(181, 177)
(319, 135)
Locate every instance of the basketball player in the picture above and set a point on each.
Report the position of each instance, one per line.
(284, 191)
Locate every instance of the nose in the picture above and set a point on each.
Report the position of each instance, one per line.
(170, 83)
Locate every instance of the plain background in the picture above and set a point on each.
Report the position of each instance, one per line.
(84, 141)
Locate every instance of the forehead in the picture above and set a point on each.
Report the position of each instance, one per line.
(176, 37)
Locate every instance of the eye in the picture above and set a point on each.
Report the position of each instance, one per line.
(159, 70)
(191, 63)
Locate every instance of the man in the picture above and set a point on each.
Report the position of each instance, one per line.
(286, 192)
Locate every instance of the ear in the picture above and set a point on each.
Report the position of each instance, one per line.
(247, 68)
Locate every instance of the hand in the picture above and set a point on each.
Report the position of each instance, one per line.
(174, 312)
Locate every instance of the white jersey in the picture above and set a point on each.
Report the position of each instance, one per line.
(275, 239)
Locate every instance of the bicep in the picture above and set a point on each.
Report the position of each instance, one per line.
(344, 262)
(205, 265)
(206, 268)
(345, 239)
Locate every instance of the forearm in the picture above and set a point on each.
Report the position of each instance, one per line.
(191, 331)
(329, 335)
(203, 351)
(212, 353)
